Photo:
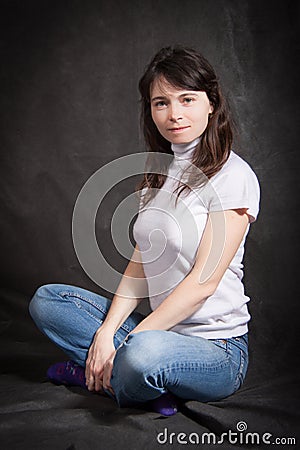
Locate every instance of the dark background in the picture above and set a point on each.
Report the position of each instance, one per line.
(70, 104)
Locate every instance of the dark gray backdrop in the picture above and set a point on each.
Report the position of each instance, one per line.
(69, 105)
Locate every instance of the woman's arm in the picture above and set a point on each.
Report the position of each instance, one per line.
(221, 239)
(131, 291)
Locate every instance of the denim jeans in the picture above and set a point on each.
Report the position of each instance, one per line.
(148, 363)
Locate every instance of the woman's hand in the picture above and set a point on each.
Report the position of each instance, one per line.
(101, 351)
(108, 367)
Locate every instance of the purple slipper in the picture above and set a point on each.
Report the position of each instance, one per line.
(165, 404)
(68, 373)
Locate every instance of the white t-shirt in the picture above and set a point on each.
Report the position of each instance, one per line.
(168, 237)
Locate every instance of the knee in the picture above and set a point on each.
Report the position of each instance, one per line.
(40, 306)
(138, 365)
(140, 354)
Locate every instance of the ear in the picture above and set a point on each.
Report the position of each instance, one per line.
(211, 108)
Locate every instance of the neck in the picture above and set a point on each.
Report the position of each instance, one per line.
(185, 151)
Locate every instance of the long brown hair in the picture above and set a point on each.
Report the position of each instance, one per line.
(185, 68)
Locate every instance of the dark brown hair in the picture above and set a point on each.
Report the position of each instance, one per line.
(185, 68)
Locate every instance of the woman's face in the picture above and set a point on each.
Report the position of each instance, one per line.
(180, 115)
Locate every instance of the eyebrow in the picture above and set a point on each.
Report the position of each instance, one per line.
(181, 95)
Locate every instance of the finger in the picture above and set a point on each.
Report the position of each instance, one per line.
(99, 381)
(88, 364)
(95, 377)
(87, 373)
(90, 383)
(98, 384)
(109, 386)
(107, 375)
(111, 391)
(90, 378)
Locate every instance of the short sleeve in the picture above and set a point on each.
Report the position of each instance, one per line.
(234, 187)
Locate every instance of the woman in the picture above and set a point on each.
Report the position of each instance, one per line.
(194, 343)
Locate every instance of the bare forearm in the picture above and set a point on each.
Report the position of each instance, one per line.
(131, 291)
(118, 312)
(177, 307)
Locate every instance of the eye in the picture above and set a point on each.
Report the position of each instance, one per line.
(160, 104)
(188, 100)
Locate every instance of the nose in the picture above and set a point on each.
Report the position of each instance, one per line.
(174, 112)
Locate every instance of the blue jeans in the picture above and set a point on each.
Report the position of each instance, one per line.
(148, 363)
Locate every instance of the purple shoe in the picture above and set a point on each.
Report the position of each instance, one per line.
(68, 373)
(165, 404)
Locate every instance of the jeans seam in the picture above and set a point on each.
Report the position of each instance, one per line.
(191, 367)
(221, 343)
(88, 313)
(240, 377)
(167, 370)
(126, 328)
(85, 299)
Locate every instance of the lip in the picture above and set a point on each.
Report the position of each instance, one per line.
(178, 129)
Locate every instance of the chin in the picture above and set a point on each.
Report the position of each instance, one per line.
(181, 140)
